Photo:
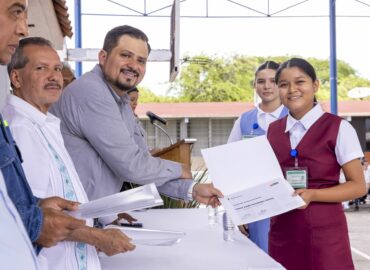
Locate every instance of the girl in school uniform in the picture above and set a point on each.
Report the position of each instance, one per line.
(255, 123)
(312, 146)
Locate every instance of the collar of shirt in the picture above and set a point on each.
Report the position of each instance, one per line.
(307, 120)
(31, 112)
(275, 114)
(264, 119)
(124, 99)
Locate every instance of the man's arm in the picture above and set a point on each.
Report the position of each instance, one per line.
(109, 241)
(176, 189)
(103, 127)
(185, 189)
(57, 225)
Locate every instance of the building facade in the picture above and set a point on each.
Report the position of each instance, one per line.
(210, 123)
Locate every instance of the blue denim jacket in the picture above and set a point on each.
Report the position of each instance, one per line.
(17, 186)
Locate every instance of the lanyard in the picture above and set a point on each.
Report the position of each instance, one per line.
(296, 176)
(294, 154)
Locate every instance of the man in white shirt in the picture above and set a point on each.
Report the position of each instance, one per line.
(36, 78)
(13, 237)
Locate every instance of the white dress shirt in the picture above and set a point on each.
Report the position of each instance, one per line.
(29, 126)
(347, 147)
(264, 119)
(16, 251)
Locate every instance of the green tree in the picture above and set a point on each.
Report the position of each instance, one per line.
(147, 96)
(213, 78)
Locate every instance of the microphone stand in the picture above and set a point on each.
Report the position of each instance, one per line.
(162, 129)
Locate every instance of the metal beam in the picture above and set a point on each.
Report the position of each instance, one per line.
(127, 10)
(81, 55)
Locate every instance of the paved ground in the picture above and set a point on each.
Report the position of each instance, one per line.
(359, 233)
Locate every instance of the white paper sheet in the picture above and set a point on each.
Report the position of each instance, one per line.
(244, 171)
(133, 199)
(149, 237)
(262, 201)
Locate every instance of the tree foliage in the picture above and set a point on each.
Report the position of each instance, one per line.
(221, 79)
(146, 96)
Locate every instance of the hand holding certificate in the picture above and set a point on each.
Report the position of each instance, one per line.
(249, 175)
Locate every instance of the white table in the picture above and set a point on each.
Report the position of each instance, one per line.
(201, 248)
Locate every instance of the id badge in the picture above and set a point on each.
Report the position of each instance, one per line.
(296, 176)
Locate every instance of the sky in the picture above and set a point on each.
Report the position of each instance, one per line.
(258, 36)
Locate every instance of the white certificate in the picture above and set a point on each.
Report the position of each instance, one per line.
(260, 202)
(150, 237)
(134, 199)
(249, 175)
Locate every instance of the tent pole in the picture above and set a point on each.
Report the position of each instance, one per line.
(333, 59)
(78, 36)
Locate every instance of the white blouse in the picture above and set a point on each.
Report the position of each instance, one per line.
(264, 120)
(347, 146)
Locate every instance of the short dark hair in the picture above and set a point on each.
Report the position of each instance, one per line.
(112, 37)
(300, 63)
(267, 65)
(18, 59)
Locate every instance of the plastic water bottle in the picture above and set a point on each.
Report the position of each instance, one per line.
(228, 227)
(212, 215)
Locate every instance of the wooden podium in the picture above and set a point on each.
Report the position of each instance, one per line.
(179, 152)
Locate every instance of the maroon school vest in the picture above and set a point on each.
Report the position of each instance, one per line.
(315, 238)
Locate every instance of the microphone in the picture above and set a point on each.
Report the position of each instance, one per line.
(153, 117)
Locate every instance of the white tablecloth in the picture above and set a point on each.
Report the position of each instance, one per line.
(201, 248)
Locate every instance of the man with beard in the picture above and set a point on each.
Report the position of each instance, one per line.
(100, 131)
